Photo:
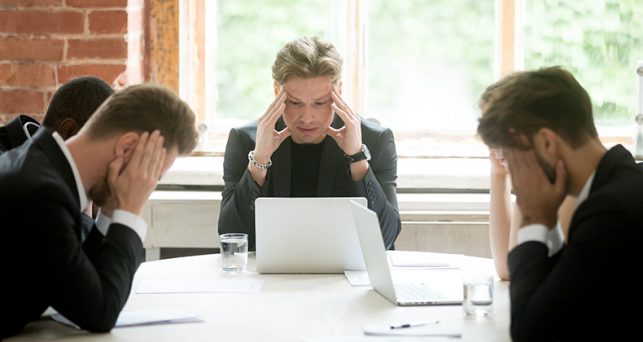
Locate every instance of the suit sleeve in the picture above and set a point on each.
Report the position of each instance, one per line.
(546, 291)
(379, 186)
(240, 191)
(89, 291)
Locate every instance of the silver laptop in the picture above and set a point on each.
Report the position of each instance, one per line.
(438, 286)
(307, 235)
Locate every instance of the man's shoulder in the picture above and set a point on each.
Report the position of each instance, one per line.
(249, 129)
(373, 133)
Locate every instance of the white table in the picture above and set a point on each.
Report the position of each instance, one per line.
(288, 308)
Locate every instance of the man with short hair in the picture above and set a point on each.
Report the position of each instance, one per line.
(309, 143)
(115, 160)
(70, 107)
(583, 289)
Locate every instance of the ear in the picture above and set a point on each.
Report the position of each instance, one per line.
(276, 85)
(67, 128)
(125, 145)
(547, 143)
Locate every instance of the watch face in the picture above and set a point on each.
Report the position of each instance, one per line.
(364, 154)
(367, 153)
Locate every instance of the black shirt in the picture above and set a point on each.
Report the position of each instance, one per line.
(305, 169)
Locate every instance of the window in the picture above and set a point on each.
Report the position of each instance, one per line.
(599, 42)
(416, 66)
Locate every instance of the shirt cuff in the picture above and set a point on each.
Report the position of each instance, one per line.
(555, 239)
(135, 222)
(102, 223)
(533, 232)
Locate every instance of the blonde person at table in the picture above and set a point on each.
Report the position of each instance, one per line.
(583, 290)
(504, 217)
(309, 143)
(115, 160)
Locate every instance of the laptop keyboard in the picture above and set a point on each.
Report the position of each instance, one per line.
(416, 293)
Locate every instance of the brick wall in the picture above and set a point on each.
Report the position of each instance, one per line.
(44, 43)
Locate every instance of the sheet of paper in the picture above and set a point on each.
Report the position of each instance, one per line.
(142, 317)
(424, 259)
(357, 278)
(441, 328)
(193, 286)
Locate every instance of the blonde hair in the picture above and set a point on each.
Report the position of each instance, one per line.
(307, 57)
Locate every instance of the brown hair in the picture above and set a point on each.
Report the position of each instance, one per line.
(307, 57)
(524, 102)
(145, 108)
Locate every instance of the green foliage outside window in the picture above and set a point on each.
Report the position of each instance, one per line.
(599, 41)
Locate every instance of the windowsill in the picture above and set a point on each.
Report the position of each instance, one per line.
(415, 175)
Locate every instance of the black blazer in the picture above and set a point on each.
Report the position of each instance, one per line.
(13, 134)
(378, 187)
(43, 261)
(587, 291)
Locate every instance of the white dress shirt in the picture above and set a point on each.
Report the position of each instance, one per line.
(553, 238)
(120, 216)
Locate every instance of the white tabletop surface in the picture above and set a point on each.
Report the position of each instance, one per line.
(322, 307)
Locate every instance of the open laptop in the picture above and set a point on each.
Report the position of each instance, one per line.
(437, 286)
(307, 235)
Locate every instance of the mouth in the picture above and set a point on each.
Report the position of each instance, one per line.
(307, 129)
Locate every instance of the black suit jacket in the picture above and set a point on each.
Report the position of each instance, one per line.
(378, 187)
(13, 135)
(587, 291)
(43, 261)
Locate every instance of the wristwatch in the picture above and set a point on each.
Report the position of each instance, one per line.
(361, 155)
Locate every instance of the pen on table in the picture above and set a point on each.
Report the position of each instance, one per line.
(412, 324)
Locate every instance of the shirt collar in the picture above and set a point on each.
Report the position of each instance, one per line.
(582, 196)
(79, 184)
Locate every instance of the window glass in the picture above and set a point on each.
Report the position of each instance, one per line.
(249, 34)
(598, 41)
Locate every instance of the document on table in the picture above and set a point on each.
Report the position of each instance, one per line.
(416, 328)
(194, 286)
(142, 317)
(424, 259)
(357, 278)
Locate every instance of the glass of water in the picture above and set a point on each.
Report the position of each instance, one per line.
(234, 251)
(478, 295)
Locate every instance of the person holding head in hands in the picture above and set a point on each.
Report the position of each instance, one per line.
(115, 160)
(309, 143)
(582, 289)
(504, 216)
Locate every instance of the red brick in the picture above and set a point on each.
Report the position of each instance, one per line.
(96, 48)
(97, 3)
(31, 49)
(27, 75)
(41, 22)
(107, 72)
(29, 3)
(108, 22)
(21, 101)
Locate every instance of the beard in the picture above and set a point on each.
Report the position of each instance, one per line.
(549, 170)
(100, 192)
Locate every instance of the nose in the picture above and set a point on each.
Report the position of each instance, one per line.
(307, 115)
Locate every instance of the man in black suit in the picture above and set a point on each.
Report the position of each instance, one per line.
(309, 143)
(115, 160)
(583, 289)
(70, 107)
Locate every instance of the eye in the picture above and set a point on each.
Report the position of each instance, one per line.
(294, 103)
(320, 103)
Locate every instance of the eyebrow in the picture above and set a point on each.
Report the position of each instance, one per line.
(326, 97)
